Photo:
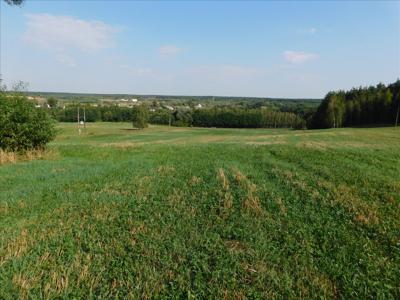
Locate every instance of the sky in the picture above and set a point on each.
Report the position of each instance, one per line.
(293, 49)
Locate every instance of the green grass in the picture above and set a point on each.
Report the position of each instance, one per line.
(204, 213)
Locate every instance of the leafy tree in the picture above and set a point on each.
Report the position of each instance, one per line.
(52, 102)
(162, 117)
(182, 117)
(22, 126)
(140, 116)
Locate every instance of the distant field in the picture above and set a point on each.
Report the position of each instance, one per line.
(204, 213)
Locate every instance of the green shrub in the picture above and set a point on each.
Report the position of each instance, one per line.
(22, 126)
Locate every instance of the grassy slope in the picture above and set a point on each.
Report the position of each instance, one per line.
(204, 213)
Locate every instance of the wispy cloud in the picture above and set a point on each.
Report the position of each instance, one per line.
(311, 30)
(298, 57)
(65, 59)
(225, 72)
(169, 50)
(139, 71)
(65, 32)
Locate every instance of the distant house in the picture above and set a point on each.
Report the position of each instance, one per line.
(199, 106)
(134, 100)
(169, 107)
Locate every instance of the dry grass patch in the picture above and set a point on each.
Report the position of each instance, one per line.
(24, 284)
(14, 157)
(281, 205)
(120, 145)
(4, 208)
(235, 295)
(318, 280)
(223, 179)
(313, 145)
(292, 179)
(195, 180)
(363, 212)
(16, 247)
(251, 202)
(165, 170)
(143, 185)
(273, 142)
(134, 231)
(224, 193)
(7, 157)
(235, 246)
(176, 198)
(115, 189)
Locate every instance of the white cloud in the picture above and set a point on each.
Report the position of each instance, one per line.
(64, 32)
(169, 50)
(298, 57)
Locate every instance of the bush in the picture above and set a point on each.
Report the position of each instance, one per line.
(22, 126)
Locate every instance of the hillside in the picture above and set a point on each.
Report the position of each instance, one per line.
(203, 213)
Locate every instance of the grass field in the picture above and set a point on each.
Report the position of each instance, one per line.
(204, 213)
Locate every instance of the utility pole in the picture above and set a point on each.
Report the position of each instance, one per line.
(79, 130)
(84, 117)
(398, 110)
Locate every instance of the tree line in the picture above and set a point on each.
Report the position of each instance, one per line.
(246, 118)
(373, 105)
(92, 113)
(228, 118)
(216, 117)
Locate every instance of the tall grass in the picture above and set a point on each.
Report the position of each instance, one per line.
(14, 157)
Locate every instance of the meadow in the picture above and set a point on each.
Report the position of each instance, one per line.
(203, 213)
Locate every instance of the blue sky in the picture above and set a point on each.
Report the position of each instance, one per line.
(242, 48)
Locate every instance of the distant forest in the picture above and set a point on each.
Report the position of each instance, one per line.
(215, 117)
(365, 106)
(235, 112)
